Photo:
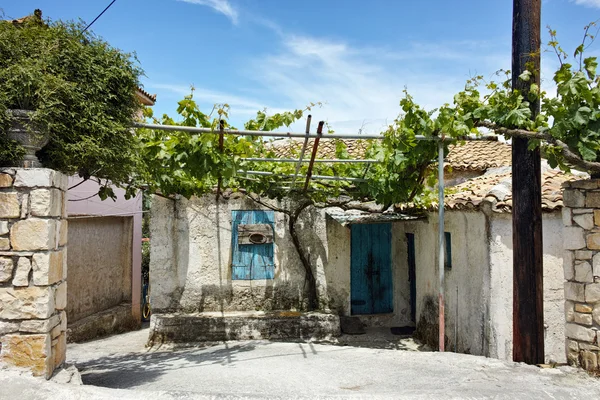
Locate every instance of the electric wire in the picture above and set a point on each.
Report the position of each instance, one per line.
(99, 15)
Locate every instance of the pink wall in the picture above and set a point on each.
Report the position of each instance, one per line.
(120, 207)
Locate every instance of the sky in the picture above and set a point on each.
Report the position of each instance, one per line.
(354, 56)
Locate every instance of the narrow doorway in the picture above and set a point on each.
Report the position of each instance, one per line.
(371, 269)
(412, 275)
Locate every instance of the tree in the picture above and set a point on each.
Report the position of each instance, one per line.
(81, 91)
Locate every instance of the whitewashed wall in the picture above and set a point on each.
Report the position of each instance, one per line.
(190, 267)
(502, 287)
(469, 272)
(191, 259)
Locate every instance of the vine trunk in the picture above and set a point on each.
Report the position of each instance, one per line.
(310, 277)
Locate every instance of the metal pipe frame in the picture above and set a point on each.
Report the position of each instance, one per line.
(314, 154)
(318, 160)
(441, 240)
(221, 138)
(192, 129)
(319, 177)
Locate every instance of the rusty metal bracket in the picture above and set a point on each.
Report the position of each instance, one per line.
(299, 164)
(314, 154)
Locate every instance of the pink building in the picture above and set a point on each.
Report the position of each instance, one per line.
(104, 258)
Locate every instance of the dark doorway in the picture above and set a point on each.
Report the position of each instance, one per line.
(412, 275)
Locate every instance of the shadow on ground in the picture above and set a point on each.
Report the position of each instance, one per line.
(123, 371)
(380, 338)
(127, 369)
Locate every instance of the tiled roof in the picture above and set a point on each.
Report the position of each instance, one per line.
(146, 98)
(496, 190)
(290, 148)
(349, 217)
(479, 155)
(472, 155)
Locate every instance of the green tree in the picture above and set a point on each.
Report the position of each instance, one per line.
(81, 91)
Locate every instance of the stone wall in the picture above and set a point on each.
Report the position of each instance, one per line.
(581, 217)
(33, 287)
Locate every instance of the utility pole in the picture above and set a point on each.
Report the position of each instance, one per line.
(528, 299)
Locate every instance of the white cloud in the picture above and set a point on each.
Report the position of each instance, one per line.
(220, 6)
(362, 87)
(589, 3)
(240, 105)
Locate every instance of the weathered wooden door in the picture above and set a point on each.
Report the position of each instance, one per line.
(371, 269)
(251, 261)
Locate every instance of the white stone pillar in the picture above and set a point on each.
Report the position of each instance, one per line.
(581, 217)
(33, 269)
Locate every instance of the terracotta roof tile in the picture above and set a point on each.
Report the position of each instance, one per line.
(479, 155)
(146, 98)
(474, 156)
(496, 190)
(291, 148)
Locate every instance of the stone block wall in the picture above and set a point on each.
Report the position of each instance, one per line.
(33, 269)
(581, 235)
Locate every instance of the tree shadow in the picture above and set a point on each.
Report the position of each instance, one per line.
(124, 371)
(130, 370)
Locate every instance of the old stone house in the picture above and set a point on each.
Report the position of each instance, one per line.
(381, 268)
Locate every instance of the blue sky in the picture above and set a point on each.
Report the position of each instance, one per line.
(355, 56)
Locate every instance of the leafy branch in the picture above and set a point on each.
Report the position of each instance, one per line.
(81, 91)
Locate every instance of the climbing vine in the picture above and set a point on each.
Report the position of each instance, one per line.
(80, 90)
(567, 128)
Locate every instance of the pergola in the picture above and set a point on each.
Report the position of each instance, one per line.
(318, 136)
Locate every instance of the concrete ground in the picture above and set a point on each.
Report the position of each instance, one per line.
(120, 367)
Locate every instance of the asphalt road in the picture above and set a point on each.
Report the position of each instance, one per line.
(120, 367)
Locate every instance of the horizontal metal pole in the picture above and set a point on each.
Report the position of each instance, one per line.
(319, 160)
(193, 129)
(321, 177)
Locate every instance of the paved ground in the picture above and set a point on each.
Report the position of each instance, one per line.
(126, 370)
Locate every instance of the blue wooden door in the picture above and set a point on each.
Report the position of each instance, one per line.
(251, 261)
(371, 269)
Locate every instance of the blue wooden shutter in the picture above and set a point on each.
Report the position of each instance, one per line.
(251, 261)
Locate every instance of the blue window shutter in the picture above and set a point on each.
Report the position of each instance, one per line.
(251, 261)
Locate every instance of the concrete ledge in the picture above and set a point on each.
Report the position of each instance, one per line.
(114, 320)
(216, 326)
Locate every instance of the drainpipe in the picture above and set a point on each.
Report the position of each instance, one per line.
(441, 240)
